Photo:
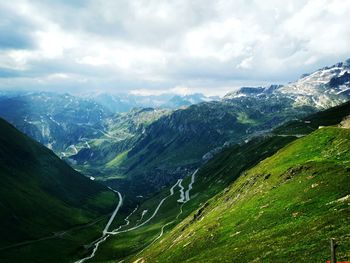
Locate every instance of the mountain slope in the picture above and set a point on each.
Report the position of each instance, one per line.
(40, 196)
(287, 207)
(174, 145)
(99, 157)
(323, 88)
(207, 182)
(56, 120)
(78, 129)
(218, 173)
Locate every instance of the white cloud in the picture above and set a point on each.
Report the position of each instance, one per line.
(181, 90)
(323, 26)
(246, 63)
(58, 76)
(123, 56)
(224, 40)
(148, 46)
(53, 42)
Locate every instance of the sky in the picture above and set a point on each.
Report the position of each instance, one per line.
(159, 46)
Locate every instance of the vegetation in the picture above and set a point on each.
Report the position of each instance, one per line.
(213, 178)
(271, 196)
(176, 143)
(287, 207)
(43, 199)
(210, 180)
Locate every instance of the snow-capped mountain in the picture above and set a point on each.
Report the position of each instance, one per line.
(324, 88)
(251, 91)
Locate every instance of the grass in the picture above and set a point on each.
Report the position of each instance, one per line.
(117, 160)
(183, 137)
(259, 216)
(65, 248)
(286, 208)
(212, 179)
(40, 195)
(215, 176)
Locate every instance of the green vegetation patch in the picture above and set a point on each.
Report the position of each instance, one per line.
(245, 119)
(117, 160)
(285, 209)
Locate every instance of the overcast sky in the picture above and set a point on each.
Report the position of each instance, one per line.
(154, 46)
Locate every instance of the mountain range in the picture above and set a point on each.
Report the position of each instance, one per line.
(235, 175)
(125, 102)
(259, 175)
(176, 143)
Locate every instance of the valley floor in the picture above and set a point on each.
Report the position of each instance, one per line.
(144, 223)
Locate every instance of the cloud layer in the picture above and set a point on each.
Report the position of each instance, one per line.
(154, 45)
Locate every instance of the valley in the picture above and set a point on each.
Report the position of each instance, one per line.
(149, 146)
(206, 180)
(213, 178)
(174, 131)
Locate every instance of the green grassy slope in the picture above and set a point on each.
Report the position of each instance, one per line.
(104, 155)
(177, 142)
(211, 179)
(310, 123)
(284, 209)
(40, 195)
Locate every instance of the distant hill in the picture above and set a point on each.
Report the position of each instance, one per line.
(59, 121)
(120, 103)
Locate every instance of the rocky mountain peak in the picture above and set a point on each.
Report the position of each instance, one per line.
(251, 91)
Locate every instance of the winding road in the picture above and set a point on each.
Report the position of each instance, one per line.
(152, 216)
(182, 193)
(190, 186)
(114, 213)
(126, 219)
(144, 212)
(104, 236)
(184, 198)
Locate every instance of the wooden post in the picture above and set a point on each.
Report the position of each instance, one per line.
(333, 247)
